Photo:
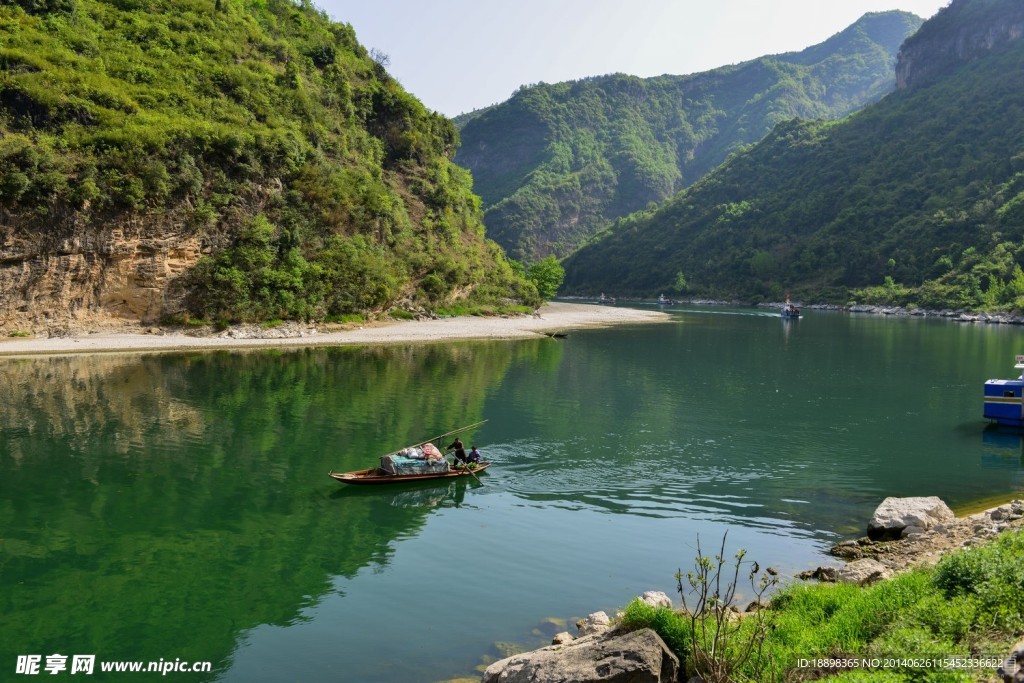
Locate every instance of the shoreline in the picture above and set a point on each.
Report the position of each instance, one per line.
(553, 317)
(967, 529)
(960, 315)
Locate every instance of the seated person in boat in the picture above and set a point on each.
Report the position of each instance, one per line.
(460, 451)
(474, 456)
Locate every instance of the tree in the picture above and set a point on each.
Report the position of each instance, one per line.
(547, 274)
(680, 284)
(383, 59)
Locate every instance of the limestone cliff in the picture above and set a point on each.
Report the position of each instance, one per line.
(101, 275)
(961, 32)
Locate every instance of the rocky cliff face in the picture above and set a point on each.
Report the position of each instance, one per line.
(963, 31)
(103, 275)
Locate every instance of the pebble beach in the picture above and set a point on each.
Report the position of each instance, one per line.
(552, 318)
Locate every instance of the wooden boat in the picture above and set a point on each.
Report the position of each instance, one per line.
(417, 467)
(375, 475)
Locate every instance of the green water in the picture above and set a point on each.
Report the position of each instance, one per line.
(177, 506)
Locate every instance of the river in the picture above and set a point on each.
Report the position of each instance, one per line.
(176, 507)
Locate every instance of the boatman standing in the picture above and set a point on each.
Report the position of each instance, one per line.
(460, 451)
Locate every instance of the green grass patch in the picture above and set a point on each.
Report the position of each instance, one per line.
(482, 310)
(19, 333)
(184, 320)
(400, 314)
(972, 602)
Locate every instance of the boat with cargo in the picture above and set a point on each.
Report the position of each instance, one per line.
(422, 461)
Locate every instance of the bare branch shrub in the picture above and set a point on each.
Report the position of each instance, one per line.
(726, 646)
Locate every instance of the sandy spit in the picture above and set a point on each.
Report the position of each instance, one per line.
(552, 317)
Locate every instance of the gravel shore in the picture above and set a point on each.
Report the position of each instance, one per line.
(551, 318)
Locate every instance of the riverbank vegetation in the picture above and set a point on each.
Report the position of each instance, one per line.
(316, 185)
(969, 606)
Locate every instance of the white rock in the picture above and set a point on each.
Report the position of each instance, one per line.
(896, 514)
(656, 599)
(594, 623)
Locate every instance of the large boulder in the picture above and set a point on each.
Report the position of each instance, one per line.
(611, 657)
(896, 514)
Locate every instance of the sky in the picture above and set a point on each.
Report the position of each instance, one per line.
(461, 55)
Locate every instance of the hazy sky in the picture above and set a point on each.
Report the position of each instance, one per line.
(460, 55)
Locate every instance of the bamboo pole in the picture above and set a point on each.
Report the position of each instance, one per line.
(455, 431)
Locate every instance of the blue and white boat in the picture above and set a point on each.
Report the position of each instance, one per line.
(1003, 398)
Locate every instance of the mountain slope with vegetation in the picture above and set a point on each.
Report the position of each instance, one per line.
(557, 163)
(917, 199)
(224, 160)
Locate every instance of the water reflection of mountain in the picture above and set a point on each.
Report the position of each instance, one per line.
(158, 506)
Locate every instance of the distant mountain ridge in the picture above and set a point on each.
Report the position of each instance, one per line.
(917, 199)
(557, 163)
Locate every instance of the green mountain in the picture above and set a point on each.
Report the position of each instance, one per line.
(555, 164)
(223, 159)
(917, 199)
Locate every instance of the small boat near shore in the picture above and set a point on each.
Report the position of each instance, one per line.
(1004, 398)
(420, 462)
(789, 310)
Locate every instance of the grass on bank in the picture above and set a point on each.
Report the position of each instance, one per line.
(971, 605)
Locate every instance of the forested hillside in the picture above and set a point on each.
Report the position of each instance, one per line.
(224, 160)
(557, 163)
(917, 199)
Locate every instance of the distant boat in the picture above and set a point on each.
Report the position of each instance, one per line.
(665, 301)
(605, 299)
(789, 310)
(419, 462)
(1003, 398)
